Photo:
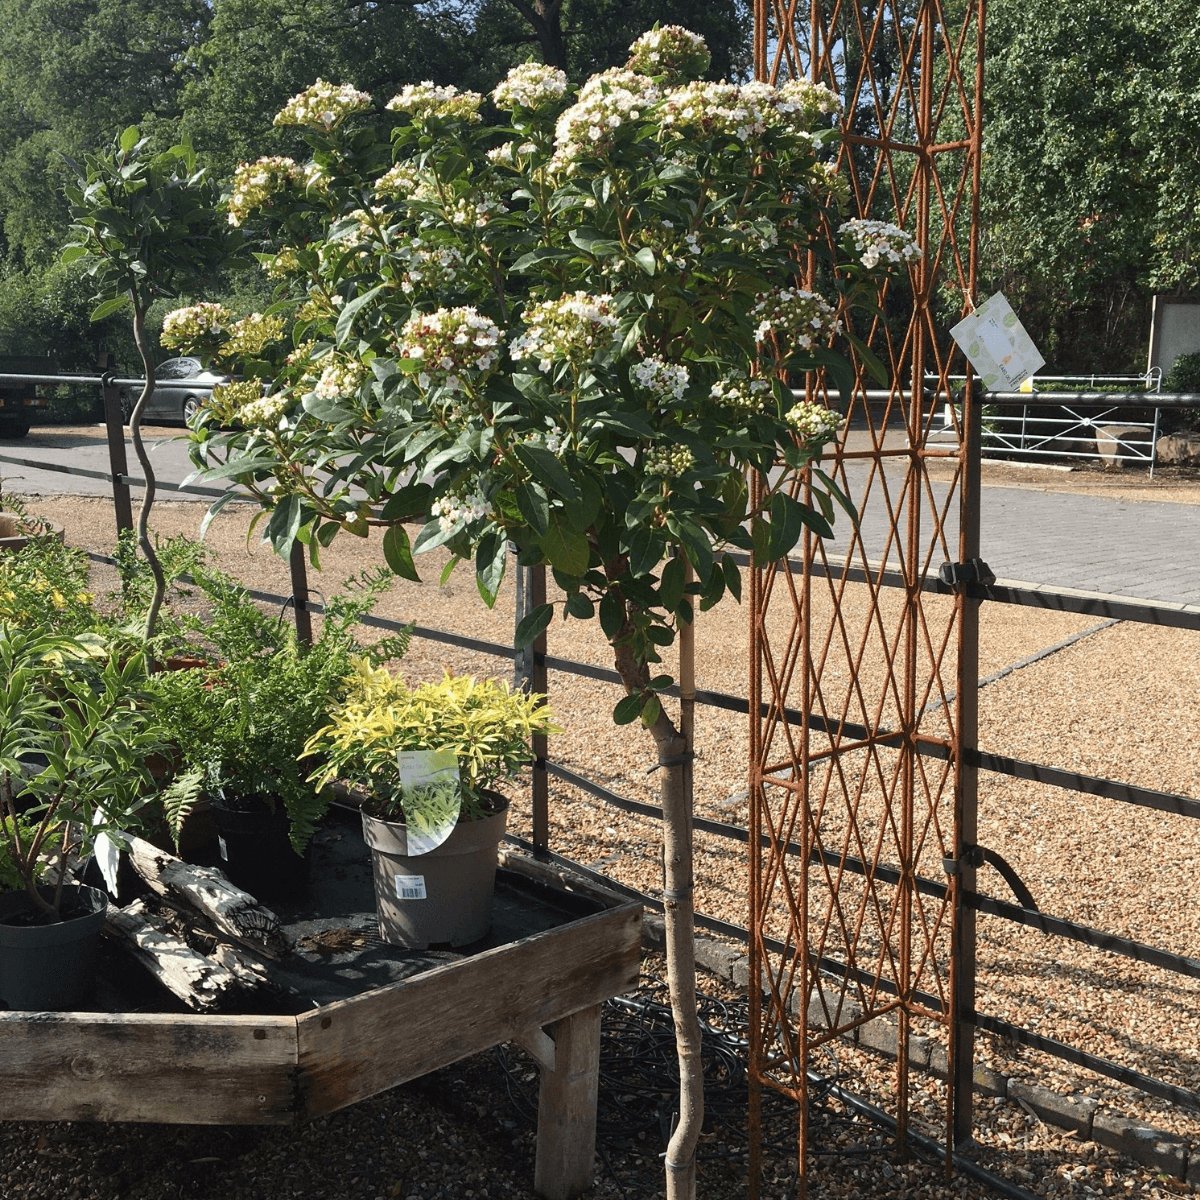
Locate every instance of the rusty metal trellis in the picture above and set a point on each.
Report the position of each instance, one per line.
(870, 791)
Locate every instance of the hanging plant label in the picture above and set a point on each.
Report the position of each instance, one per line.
(997, 345)
(431, 771)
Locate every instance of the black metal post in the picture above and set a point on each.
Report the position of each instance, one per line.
(962, 1032)
(299, 572)
(114, 426)
(529, 674)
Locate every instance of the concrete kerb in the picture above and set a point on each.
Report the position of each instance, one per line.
(1163, 1152)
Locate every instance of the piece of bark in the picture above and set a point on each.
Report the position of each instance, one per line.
(235, 913)
(205, 983)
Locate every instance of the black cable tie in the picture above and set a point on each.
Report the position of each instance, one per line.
(677, 897)
(678, 761)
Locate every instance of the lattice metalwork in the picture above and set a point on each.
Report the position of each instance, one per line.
(857, 773)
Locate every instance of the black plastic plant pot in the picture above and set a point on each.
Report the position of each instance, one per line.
(49, 966)
(255, 851)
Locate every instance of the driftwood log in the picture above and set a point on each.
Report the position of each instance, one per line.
(235, 913)
(218, 980)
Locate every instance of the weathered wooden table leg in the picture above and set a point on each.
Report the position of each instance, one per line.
(566, 1137)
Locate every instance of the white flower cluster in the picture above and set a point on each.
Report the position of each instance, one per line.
(366, 222)
(264, 412)
(672, 51)
(427, 99)
(813, 422)
(450, 343)
(667, 381)
(718, 110)
(555, 439)
(285, 262)
(189, 328)
(406, 181)
(799, 317)
(669, 462)
(340, 379)
(570, 329)
(427, 268)
(453, 511)
(739, 393)
(323, 106)
(253, 334)
(530, 86)
(473, 211)
(607, 103)
(875, 242)
(510, 154)
(255, 183)
(803, 103)
(227, 400)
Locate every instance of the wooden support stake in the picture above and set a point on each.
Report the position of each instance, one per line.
(566, 1136)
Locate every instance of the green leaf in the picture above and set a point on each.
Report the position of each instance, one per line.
(628, 709)
(581, 513)
(491, 557)
(397, 552)
(73, 253)
(874, 368)
(408, 501)
(579, 605)
(789, 518)
(566, 550)
(733, 577)
(129, 138)
(448, 570)
(351, 309)
(284, 524)
(612, 614)
(533, 626)
(534, 506)
(645, 259)
(670, 585)
(547, 470)
(660, 635)
(651, 711)
(107, 307)
(836, 492)
(645, 550)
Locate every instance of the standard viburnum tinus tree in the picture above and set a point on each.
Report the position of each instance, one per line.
(571, 329)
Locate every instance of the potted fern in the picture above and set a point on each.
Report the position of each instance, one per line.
(426, 761)
(240, 722)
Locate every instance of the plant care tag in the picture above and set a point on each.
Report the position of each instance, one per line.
(427, 769)
(997, 345)
(410, 887)
(108, 859)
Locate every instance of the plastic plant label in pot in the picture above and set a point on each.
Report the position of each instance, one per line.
(422, 768)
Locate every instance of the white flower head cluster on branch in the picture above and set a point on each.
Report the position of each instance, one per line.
(877, 243)
(194, 327)
(323, 106)
(574, 329)
(422, 100)
(256, 182)
(530, 86)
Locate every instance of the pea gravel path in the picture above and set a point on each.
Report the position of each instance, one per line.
(1120, 702)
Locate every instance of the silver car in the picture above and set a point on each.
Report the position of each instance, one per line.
(175, 403)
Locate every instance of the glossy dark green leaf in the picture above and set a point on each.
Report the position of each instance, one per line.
(628, 709)
(397, 553)
(533, 625)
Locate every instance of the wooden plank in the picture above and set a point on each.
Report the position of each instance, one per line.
(362, 1046)
(566, 1134)
(196, 1070)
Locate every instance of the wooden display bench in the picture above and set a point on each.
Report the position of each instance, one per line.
(554, 957)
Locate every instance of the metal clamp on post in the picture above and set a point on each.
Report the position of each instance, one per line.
(956, 577)
(972, 856)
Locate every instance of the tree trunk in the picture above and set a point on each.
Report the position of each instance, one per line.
(135, 433)
(675, 791)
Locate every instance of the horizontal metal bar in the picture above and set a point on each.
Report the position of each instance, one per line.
(191, 385)
(1183, 1097)
(1096, 399)
(1085, 935)
(1145, 612)
(130, 480)
(1092, 785)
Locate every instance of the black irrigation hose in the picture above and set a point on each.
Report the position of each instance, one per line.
(639, 1088)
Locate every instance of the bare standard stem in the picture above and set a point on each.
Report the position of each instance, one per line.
(135, 433)
(675, 791)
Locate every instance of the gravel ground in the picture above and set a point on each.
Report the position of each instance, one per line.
(1118, 703)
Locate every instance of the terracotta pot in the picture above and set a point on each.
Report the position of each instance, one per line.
(12, 538)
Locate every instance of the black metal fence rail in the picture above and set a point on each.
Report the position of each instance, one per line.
(1144, 612)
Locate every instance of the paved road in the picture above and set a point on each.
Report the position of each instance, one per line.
(1147, 550)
